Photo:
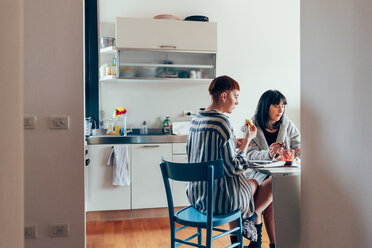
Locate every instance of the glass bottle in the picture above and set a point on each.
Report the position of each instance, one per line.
(144, 129)
(167, 125)
(113, 66)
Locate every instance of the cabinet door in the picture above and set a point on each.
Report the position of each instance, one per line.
(102, 195)
(179, 188)
(147, 182)
(166, 34)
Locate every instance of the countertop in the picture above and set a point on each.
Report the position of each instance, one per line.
(135, 139)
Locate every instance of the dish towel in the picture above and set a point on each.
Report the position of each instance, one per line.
(119, 159)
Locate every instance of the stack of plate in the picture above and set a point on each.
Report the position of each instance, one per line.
(168, 17)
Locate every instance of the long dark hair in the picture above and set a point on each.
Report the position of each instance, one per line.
(262, 112)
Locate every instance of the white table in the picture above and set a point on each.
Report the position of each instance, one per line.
(286, 204)
(286, 200)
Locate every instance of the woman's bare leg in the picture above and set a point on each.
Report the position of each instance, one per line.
(263, 198)
(268, 216)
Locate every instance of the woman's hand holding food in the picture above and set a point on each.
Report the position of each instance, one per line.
(250, 134)
(251, 130)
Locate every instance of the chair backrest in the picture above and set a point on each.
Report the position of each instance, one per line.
(204, 171)
(192, 171)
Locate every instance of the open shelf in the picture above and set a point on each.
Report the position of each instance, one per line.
(158, 66)
(157, 80)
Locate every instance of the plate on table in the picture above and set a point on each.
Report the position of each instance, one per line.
(266, 163)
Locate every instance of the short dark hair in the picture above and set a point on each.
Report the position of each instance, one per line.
(262, 112)
(221, 84)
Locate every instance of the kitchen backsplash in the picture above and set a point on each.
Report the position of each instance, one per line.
(151, 101)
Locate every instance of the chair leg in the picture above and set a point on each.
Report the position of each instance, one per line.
(173, 234)
(239, 232)
(200, 236)
(209, 237)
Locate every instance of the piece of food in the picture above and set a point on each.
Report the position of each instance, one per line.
(249, 122)
(282, 144)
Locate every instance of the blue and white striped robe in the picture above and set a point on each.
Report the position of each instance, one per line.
(211, 137)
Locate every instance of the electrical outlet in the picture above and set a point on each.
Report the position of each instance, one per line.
(188, 113)
(58, 122)
(58, 230)
(30, 232)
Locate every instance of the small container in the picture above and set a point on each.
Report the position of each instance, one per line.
(107, 42)
(144, 129)
(113, 66)
(110, 127)
(123, 125)
(193, 74)
(198, 74)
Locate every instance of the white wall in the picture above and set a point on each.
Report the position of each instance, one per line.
(53, 85)
(11, 130)
(258, 45)
(336, 120)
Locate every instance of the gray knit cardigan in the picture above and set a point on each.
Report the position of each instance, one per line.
(288, 133)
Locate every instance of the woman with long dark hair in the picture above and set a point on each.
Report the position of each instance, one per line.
(274, 130)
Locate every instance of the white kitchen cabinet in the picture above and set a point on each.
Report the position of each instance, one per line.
(153, 34)
(147, 182)
(179, 188)
(101, 194)
(162, 50)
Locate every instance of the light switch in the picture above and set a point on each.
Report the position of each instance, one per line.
(29, 121)
(59, 122)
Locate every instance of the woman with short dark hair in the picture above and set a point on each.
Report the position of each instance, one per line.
(212, 137)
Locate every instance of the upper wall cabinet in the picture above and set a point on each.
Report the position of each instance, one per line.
(155, 34)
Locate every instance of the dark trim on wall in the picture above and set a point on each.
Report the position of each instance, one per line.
(91, 60)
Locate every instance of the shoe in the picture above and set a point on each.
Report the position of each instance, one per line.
(234, 239)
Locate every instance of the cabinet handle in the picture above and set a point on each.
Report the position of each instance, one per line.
(164, 46)
(150, 146)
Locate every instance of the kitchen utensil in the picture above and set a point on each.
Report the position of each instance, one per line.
(197, 18)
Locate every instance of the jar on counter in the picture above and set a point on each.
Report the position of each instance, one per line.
(110, 127)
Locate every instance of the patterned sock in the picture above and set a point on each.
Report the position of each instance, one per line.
(257, 244)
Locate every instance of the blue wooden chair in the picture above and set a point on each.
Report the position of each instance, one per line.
(189, 216)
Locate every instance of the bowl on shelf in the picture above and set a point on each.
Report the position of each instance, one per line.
(127, 72)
